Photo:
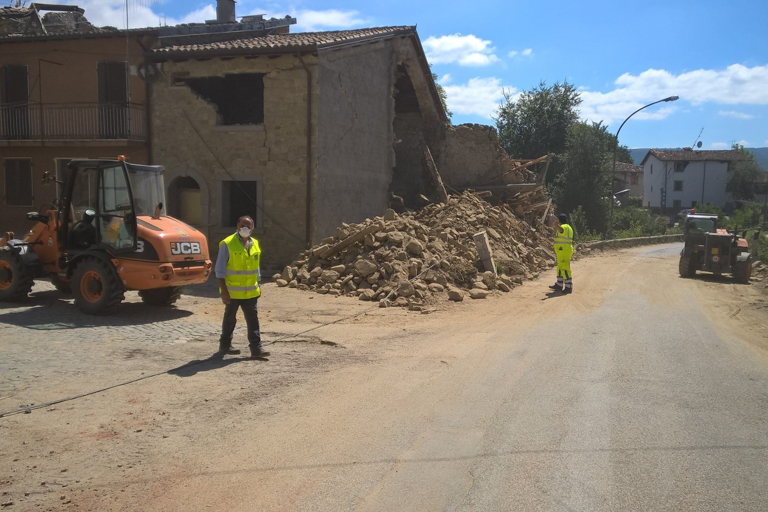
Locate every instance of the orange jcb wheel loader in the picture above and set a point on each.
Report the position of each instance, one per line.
(104, 236)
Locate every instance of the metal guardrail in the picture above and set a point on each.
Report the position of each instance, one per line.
(617, 243)
(73, 121)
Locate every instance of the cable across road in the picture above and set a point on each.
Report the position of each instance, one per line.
(27, 409)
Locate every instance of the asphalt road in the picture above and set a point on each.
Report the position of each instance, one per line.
(639, 405)
(641, 391)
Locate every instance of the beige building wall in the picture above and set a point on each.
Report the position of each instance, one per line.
(63, 72)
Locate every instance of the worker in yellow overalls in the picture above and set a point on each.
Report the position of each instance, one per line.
(563, 252)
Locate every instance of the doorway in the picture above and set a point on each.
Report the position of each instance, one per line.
(185, 200)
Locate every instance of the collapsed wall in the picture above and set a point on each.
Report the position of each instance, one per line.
(408, 259)
(470, 155)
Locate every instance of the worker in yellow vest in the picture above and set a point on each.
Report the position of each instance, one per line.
(238, 273)
(563, 252)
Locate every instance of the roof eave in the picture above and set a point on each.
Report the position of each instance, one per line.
(159, 55)
(60, 37)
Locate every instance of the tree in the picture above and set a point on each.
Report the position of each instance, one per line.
(585, 179)
(442, 94)
(743, 174)
(537, 122)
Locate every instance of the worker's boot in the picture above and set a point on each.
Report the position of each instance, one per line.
(568, 289)
(257, 352)
(228, 350)
(557, 287)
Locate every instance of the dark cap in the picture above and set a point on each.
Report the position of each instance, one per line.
(563, 218)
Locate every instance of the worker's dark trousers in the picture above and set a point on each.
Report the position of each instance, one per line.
(251, 313)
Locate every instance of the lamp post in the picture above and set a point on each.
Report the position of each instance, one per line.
(616, 146)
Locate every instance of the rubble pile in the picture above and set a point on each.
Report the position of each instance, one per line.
(759, 272)
(406, 259)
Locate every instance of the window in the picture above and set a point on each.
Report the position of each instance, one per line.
(651, 168)
(678, 186)
(701, 225)
(113, 100)
(693, 204)
(676, 204)
(239, 99)
(680, 166)
(634, 179)
(18, 182)
(14, 91)
(238, 198)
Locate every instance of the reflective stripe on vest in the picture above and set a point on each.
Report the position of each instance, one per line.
(242, 274)
(242, 288)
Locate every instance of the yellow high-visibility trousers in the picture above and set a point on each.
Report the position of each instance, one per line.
(564, 254)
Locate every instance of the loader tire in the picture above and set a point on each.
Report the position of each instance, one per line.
(686, 267)
(161, 296)
(96, 287)
(742, 271)
(15, 281)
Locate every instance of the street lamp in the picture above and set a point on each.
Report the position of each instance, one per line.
(616, 146)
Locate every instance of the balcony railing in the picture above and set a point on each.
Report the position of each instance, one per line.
(73, 121)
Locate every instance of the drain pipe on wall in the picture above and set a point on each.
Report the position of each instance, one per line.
(309, 152)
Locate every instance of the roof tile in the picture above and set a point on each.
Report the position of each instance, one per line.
(300, 40)
(696, 156)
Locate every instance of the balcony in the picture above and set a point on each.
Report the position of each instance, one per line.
(73, 122)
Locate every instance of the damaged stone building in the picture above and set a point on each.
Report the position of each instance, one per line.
(302, 131)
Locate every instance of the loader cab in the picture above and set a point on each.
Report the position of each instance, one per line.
(698, 225)
(102, 199)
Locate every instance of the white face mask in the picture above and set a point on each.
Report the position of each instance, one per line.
(245, 232)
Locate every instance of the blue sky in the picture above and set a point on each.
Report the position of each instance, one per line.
(620, 54)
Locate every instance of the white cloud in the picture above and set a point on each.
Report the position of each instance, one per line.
(528, 52)
(464, 50)
(148, 13)
(332, 19)
(102, 13)
(736, 84)
(744, 143)
(720, 145)
(479, 96)
(737, 115)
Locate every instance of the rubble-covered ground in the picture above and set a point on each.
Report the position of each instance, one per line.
(409, 259)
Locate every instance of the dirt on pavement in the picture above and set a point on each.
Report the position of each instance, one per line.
(170, 427)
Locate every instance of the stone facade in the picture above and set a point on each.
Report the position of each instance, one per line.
(316, 164)
(189, 141)
(355, 134)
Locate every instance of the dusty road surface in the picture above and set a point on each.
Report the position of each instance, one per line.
(641, 391)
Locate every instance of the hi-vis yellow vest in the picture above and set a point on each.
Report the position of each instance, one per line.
(564, 240)
(242, 268)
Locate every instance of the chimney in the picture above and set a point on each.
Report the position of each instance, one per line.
(225, 11)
